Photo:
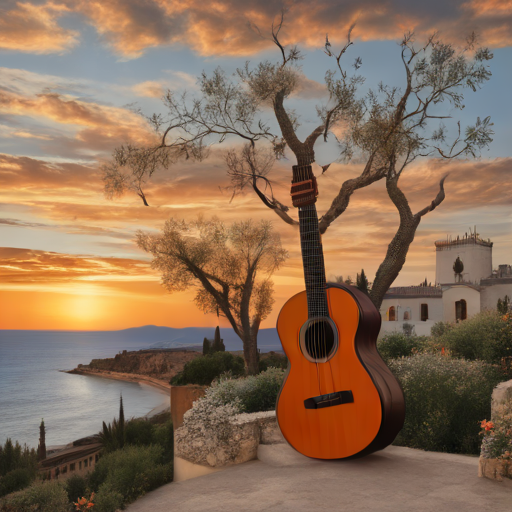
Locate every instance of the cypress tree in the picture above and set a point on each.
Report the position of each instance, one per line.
(362, 282)
(41, 449)
(206, 347)
(458, 267)
(120, 424)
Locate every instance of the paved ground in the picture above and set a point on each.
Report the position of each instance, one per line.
(395, 479)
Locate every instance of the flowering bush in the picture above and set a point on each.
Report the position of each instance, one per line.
(255, 393)
(497, 435)
(445, 398)
(84, 504)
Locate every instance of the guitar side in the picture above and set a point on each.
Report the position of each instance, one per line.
(371, 419)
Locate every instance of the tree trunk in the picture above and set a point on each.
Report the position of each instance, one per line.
(251, 353)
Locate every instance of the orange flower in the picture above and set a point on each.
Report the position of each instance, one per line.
(489, 425)
(484, 422)
(82, 501)
(89, 505)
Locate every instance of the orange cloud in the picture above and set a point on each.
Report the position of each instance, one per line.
(230, 28)
(31, 28)
(27, 266)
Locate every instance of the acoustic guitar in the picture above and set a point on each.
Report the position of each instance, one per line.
(339, 399)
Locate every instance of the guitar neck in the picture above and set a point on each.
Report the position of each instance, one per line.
(311, 245)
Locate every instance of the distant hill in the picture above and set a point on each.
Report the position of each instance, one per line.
(153, 336)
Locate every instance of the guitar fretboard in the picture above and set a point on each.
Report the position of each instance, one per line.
(313, 261)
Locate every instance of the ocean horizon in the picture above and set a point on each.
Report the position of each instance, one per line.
(34, 385)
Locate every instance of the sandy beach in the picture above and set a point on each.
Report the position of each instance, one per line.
(161, 385)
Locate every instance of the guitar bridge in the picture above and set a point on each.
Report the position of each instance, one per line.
(329, 400)
(304, 192)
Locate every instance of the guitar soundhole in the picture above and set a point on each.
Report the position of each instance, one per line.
(319, 339)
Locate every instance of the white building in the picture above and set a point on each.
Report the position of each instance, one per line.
(454, 297)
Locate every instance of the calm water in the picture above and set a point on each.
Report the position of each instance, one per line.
(73, 406)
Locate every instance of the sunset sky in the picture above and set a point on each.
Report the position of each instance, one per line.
(72, 73)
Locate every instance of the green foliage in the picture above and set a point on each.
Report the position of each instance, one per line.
(18, 466)
(255, 393)
(202, 370)
(445, 400)
(206, 346)
(107, 499)
(486, 336)
(273, 360)
(164, 437)
(76, 487)
(439, 328)
(112, 436)
(15, 480)
(503, 305)
(45, 497)
(398, 344)
(139, 432)
(132, 471)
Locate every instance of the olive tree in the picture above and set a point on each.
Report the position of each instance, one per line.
(386, 129)
(230, 267)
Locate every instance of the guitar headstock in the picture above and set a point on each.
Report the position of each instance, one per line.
(304, 188)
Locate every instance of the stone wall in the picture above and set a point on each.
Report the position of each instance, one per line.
(197, 453)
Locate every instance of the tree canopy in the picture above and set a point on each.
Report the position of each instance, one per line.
(230, 267)
(385, 129)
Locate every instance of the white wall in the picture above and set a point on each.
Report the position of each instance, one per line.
(457, 292)
(490, 294)
(477, 260)
(435, 308)
(420, 328)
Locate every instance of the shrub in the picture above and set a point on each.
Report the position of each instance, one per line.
(164, 437)
(76, 487)
(255, 393)
(139, 432)
(45, 497)
(486, 336)
(107, 499)
(132, 471)
(445, 400)
(439, 328)
(202, 370)
(15, 480)
(273, 360)
(398, 344)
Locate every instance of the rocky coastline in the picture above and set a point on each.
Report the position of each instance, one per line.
(154, 367)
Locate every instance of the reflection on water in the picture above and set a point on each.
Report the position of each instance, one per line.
(73, 406)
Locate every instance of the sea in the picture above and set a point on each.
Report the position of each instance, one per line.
(33, 385)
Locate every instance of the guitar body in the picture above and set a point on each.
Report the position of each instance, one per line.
(350, 404)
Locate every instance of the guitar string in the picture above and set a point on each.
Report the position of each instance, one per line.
(317, 305)
(308, 277)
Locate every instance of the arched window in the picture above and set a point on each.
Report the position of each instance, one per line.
(461, 310)
(391, 314)
(424, 312)
(407, 314)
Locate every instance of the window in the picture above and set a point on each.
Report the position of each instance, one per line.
(461, 310)
(85, 463)
(391, 314)
(407, 315)
(96, 457)
(64, 469)
(80, 465)
(72, 467)
(424, 312)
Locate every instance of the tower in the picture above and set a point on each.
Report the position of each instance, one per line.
(474, 252)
